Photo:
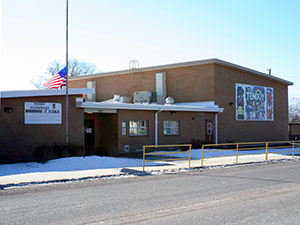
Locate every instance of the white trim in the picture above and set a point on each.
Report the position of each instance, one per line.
(155, 107)
(185, 64)
(100, 111)
(46, 92)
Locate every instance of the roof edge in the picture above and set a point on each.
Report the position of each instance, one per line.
(131, 106)
(45, 92)
(186, 64)
(242, 68)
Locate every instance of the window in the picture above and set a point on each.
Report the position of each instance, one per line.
(138, 128)
(171, 127)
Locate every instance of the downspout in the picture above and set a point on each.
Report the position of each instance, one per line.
(156, 126)
(216, 126)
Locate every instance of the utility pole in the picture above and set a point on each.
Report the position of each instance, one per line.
(67, 85)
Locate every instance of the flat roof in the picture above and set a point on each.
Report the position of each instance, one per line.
(155, 107)
(185, 64)
(45, 92)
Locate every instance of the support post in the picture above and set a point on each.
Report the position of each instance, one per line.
(293, 149)
(144, 151)
(267, 146)
(202, 155)
(237, 154)
(190, 153)
(216, 128)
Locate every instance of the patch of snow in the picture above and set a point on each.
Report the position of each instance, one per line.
(197, 153)
(72, 164)
(97, 162)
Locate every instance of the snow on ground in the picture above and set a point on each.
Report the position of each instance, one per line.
(72, 164)
(97, 162)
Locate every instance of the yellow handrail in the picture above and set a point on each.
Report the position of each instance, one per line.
(238, 148)
(165, 153)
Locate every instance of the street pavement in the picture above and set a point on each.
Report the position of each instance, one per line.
(264, 193)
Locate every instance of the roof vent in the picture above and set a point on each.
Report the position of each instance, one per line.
(116, 98)
(169, 100)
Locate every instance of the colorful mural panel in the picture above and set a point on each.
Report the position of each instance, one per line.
(254, 103)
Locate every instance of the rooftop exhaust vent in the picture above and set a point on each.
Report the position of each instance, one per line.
(116, 98)
(169, 100)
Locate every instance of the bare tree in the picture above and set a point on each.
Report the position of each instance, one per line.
(294, 118)
(75, 68)
(294, 112)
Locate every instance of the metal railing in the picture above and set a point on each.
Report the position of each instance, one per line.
(166, 153)
(251, 146)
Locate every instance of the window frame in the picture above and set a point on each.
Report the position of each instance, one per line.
(170, 127)
(138, 128)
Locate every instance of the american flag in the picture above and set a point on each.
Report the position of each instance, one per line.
(58, 80)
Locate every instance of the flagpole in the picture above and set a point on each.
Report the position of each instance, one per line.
(67, 85)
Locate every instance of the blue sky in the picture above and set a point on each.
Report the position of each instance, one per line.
(256, 34)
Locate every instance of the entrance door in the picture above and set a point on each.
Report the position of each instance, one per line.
(209, 131)
(89, 133)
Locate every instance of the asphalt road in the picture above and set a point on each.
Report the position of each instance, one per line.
(255, 194)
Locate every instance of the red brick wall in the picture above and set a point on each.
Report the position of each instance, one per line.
(135, 142)
(192, 127)
(232, 130)
(18, 140)
(185, 84)
(210, 82)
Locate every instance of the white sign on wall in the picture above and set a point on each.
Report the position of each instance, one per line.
(42, 113)
(123, 128)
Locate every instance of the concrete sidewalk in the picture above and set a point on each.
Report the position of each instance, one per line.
(51, 177)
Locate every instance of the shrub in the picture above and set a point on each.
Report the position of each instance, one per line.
(40, 154)
(43, 153)
(197, 143)
(75, 150)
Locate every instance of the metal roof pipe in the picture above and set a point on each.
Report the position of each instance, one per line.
(156, 126)
(216, 127)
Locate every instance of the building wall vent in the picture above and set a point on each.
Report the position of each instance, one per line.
(126, 148)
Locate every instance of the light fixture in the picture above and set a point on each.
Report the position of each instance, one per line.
(8, 109)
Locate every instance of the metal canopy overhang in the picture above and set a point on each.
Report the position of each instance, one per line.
(153, 107)
(46, 92)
